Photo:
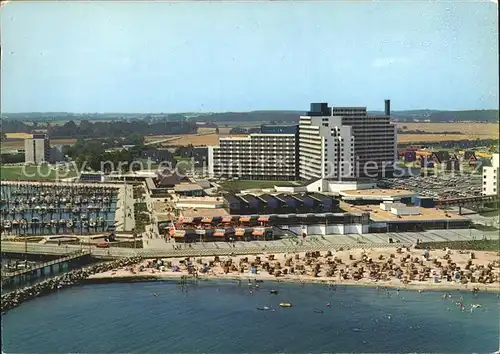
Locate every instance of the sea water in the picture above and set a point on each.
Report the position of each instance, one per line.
(222, 317)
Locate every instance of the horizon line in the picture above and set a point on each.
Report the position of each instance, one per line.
(256, 110)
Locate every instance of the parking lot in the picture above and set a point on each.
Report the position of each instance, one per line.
(442, 186)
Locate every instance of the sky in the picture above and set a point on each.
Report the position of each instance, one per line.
(137, 57)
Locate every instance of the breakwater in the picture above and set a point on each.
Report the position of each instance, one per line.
(74, 277)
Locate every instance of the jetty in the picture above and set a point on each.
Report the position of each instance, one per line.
(57, 266)
(54, 284)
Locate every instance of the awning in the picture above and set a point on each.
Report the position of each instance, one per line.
(244, 219)
(239, 233)
(263, 218)
(186, 220)
(258, 233)
(227, 219)
(218, 234)
(206, 220)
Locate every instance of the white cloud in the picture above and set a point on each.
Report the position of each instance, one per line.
(389, 61)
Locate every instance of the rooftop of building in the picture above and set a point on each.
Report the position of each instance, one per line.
(168, 178)
(203, 183)
(204, 212)
(187, 187)
(426, 214)
(377, 193)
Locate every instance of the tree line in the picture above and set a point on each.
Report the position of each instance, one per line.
(99, 155)
(87, 129)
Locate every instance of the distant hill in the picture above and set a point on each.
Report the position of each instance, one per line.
(289, 116)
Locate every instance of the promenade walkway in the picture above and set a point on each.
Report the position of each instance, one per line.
(124, 215)
(254, 247)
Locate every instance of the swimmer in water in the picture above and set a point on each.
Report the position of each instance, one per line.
(397, 291)
(328, 304)
(474, 306)
(155, 294)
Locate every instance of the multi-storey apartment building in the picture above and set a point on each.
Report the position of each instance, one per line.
(342, 143)
(37, 149)
(271, 155)
(491, 177)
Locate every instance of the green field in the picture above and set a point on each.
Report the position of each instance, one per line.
(251, 184)
(33, 173)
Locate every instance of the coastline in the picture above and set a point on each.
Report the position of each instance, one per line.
(124, 277)
(395, 268)
(403, 268)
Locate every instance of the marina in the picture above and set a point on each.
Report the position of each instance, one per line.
(30, 209)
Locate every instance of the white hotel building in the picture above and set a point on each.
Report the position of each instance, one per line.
(267, 156)
(345, 143)
(37, 149)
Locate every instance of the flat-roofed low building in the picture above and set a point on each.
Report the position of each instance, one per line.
(374, 195)
(201, 203)
(189, 189)
(409, 218)
(245, 226)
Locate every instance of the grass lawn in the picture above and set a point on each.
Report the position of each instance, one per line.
(33, 173)
(251, 184)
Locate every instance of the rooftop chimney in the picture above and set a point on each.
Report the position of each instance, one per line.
(387, 107)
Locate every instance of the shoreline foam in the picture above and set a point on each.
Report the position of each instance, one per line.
(106, 278)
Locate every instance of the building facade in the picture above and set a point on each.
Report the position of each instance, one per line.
(343, 143)
(56, 154)
(263, 156)
(37, 149)
(491, 176)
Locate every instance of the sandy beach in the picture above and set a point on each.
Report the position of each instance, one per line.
(391, 267)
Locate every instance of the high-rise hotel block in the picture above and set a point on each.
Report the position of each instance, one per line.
(37, 149)
(269, 155)
(346, 143)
